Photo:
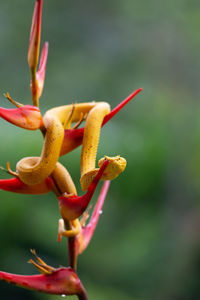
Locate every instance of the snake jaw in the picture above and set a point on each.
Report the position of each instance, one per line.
(117, 165)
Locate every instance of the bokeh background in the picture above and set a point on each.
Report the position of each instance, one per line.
(147, 244)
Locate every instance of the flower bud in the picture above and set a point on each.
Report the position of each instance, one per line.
(34, 42)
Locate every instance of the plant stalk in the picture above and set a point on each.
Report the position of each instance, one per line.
(34, 87)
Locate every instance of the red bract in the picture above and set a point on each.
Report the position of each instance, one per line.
(40, 74)
(73, 137)
(72, 207)
(84, 237)
(27, 116)
(15, 185)
(62, 281)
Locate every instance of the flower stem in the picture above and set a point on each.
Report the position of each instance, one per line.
(34, 87)
(83, 295)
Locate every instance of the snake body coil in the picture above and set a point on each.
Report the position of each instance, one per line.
(31, 170)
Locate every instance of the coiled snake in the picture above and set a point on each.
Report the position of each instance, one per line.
(33, 170)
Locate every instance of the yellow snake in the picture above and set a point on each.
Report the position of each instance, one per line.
(89, 149)
(33, 170)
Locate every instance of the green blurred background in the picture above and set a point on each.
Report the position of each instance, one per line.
(147, 244)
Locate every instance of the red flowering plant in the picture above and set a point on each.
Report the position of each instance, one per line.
(39, 175)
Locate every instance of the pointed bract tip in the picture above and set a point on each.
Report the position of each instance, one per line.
(120, 106)
(34, 42)
(40, 75)
(73, 137)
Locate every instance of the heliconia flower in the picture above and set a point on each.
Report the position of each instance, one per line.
(15, 185)
(26, 116)
(83, 238)
(57, 281)
(73, 137)
(40, 74)
(34, 42)
(72, 206)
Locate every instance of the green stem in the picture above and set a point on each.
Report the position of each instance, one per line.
(72, 253)
(34, 87)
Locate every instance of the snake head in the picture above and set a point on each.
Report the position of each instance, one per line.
(25, 116)
(117, 165)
